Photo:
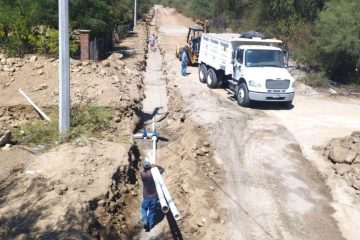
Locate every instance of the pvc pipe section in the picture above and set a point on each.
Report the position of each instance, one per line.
(160, 193)
(35, 106)
(158, 178)
(163, 204)
(154, 139)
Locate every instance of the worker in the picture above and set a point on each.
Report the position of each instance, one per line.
(152, 42)
(184, 63)
(150, 197)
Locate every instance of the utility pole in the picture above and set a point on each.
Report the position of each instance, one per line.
(135, 13)
(64, 71)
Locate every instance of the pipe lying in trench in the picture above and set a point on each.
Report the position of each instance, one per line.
(159, 191)
(159, 180)
(163, 204)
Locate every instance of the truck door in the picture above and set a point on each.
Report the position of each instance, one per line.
(238, 62)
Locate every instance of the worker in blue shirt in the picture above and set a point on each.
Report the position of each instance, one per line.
(184, 63)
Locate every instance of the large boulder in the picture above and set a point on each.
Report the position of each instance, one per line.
(357, 160)
(5, 138)
(356, 134)
(355, 147)
(116, 56)
(341, 169)
(356, 184)
(33, 58)
(339, 154)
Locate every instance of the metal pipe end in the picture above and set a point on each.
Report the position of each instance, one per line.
(165, 209)
(177, 217)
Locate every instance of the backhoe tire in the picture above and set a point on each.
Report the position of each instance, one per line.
(211, 80)
(203, 72)
(242, 95)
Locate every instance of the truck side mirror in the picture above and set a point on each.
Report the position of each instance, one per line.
(286, 58)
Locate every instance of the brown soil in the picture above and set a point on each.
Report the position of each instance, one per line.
(70, 191)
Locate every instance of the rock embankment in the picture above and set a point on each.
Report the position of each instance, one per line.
(344, 153)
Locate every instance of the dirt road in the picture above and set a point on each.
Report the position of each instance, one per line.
(274, 187)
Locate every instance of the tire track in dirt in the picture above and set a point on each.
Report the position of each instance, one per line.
(272, 191)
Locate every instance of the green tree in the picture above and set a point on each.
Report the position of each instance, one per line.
(339, 41)
(28, 25)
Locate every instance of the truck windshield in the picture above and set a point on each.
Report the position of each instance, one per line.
(264, 58)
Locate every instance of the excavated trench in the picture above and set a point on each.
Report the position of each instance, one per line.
(115, 213)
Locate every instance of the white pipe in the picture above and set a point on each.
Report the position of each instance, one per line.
(160, 193)
(164, 206)
(158, 178)
(34, 105)
(138, 135)
(154, 139)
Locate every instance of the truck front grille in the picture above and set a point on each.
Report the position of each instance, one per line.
(277, 84)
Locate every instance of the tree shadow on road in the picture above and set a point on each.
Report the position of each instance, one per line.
(146, 117)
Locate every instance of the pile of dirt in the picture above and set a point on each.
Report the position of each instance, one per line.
(77, 190)
(76, 177)
(8, 66)
(344, 153)
(110, 82)
(193, 177)
(115, 82)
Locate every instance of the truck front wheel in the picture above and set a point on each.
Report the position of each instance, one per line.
(242, 95)
(203, 73)
(212, 81)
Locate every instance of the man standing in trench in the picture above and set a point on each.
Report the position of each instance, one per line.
(150, 197)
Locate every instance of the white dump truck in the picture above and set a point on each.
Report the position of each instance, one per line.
(254, 69)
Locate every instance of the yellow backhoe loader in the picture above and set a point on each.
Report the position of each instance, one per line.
(193, 40)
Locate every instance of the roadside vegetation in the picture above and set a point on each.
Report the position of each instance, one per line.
(323, 34)
(88, 121)
(31, 26)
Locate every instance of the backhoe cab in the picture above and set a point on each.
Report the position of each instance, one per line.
(193, 41)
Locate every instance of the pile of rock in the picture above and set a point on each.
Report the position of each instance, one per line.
(10, 65)
(110, 207)
(344, 153)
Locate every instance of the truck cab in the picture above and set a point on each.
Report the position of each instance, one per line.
(263, 71)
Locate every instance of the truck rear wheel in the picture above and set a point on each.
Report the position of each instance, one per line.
(211, 79)
(242, 95)
(203, 73)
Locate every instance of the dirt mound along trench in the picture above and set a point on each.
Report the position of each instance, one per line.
(112, 82)
(73, 191)
(344, 153)
(57, 191)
